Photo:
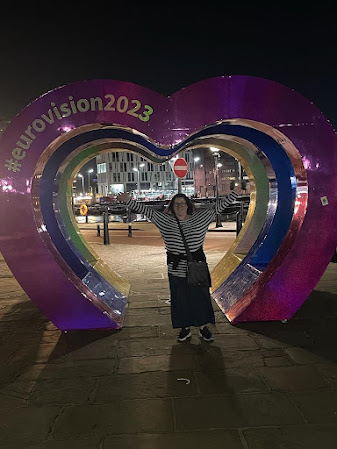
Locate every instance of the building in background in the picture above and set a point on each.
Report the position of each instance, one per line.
(218, 170)
(122, 171)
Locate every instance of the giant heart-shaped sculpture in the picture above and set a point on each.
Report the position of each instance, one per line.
(285, 144)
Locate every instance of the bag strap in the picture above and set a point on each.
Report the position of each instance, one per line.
(188, 252)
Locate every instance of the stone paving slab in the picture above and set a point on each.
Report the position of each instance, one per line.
(9, 372)
(88, 443)
(147, 304)
(235, 411)
(282, 360)
(63, 391)
(158, 384)
(317, 407)
(303, 356)
(294, 437)
(149, 347)
(238, 342)
(17, 389)
(27, 424)
(239, 380)
(144, 312)
(8, 402)
(145, 320)
(140, 415)
(290, 378)
(328, 372)
(211, 439)
(129, 365)
(69, 370)
(30, 354)
(215, 358)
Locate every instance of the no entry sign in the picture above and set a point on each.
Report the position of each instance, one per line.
(180, 168)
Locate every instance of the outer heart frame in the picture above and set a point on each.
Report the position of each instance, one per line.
(286, 145)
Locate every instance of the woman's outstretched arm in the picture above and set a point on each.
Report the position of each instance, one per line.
(225, 202)
(141, 208)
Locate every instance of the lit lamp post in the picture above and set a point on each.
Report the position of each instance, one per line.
(136, 170)
(196, 159)
(138, 176)
(89, 172)
(142, 165)
(217, 164)
(82, 179)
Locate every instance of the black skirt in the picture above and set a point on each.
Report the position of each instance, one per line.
(190, 305)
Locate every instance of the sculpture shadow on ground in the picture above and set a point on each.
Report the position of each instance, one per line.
(313, 328)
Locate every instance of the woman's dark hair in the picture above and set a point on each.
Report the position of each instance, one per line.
(190, 206)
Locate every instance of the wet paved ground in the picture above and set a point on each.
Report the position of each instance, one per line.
(258, 386)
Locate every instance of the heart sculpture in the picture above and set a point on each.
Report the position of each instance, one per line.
(286, 146)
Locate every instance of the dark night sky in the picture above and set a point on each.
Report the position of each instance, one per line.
(295, 47)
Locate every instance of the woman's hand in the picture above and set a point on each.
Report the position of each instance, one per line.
(123, 197)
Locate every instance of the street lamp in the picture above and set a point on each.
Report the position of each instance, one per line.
(217, 164)
(195, 159)
(89, 171)
(136, 170)
(82, 178)
(142, 165)
(138, 175)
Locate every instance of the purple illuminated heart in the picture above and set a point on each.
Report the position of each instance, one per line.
(166, 122)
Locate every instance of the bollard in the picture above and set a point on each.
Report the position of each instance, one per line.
(218, 223)
(98, 230)
(129, 224)
(106, 236)
(86, 218)
(238, 222)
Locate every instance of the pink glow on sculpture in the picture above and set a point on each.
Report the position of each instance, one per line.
(306, 163)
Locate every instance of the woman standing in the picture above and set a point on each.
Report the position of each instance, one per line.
(190, 305)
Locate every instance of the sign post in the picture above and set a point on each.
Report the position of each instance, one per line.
(180, 169)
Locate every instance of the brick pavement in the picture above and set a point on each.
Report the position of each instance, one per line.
(258, 386)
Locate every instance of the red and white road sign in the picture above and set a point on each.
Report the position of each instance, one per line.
(180, 167)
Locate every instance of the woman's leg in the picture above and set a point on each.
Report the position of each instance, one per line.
(180, 303)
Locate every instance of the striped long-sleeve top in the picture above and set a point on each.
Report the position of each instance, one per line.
(194, 229)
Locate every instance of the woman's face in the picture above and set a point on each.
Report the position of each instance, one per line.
(180, 208)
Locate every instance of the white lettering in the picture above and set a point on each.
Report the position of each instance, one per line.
(83, 105)
(50, 119)
(29, 133)
(56, 111)
(39, 125)
(22, 145)
(65, 109)
(18, 153)
(99, 102)
(72, 104)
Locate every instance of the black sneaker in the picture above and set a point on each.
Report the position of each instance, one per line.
(184, 334)
(206, 334)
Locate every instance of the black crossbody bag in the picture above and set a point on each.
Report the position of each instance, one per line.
(197, 271)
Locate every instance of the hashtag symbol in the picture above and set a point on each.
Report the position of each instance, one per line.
(13, 165)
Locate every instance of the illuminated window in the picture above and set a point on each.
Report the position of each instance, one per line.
(101, 168)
